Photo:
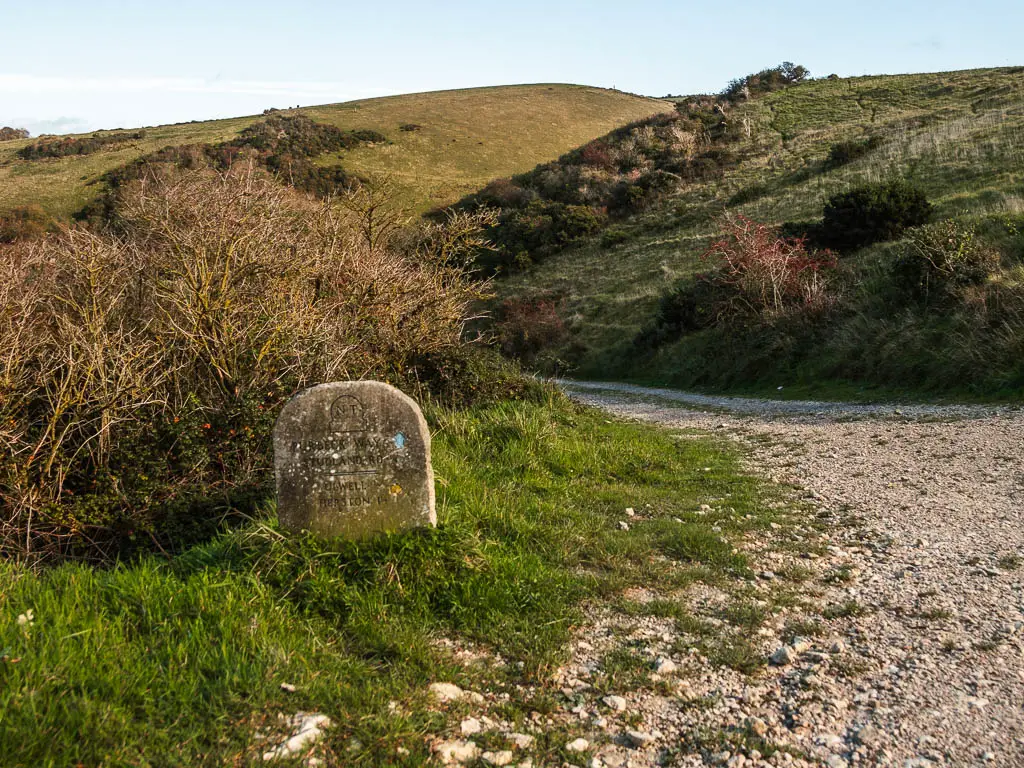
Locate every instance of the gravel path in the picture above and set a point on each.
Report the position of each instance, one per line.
(931, 589)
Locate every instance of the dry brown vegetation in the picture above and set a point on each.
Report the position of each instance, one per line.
(141, 370)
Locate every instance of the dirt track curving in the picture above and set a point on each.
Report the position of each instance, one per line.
(931, 559)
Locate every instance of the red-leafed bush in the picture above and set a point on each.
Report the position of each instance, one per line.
(759, 275)
(596, 154)
(527, 325)
(770, 273)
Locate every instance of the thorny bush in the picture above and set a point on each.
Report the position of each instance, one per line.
(758, 275)
(770, 273)
(140, 374)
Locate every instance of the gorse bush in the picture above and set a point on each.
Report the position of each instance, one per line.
(536, 231)
(940, 262)
(556, 204)
(619, 174)
(291, 136)
(141, 373)
(76, 145)
(871, 214)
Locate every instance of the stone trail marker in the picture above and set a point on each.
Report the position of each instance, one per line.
(352, 459)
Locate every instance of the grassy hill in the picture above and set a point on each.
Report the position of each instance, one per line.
(958, 136)
(465, 138)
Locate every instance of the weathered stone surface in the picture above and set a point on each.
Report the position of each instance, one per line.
(353, 459)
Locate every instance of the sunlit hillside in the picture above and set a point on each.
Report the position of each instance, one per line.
(453, 141)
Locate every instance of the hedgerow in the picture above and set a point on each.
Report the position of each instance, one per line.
(63, 146)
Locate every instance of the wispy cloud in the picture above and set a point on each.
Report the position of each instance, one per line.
(38, 126)
(37, 84)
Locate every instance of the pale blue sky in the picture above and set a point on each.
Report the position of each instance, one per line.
(73, 66)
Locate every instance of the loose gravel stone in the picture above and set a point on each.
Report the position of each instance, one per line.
(757, 726)
(783, 655)
(457, 751)
(503, 757)
(639, 739)
(521, 740)
(665, 666)
(916, 517)
(578, 745)
(615, 702)
(445, 692)
(306, 728)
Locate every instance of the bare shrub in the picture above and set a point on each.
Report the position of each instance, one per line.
(141, 373)
(527, 325)
(770, 273)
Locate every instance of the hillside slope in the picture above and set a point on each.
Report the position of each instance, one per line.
(958, 136)
(464, 139)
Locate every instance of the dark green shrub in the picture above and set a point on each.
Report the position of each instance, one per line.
(528, 235)
(284, 144)
(627, 196)
(766, 81)
(410, 127)
(466, 376)
(872, 214)
(76, 145)
(613, 237)
(692, 304)
(844, 152)
(574, 222)
(940, 262)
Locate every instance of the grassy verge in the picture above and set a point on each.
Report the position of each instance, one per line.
(181, 661)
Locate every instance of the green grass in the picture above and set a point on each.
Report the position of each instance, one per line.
(179, 661)
(468, 138)
(957, 135)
